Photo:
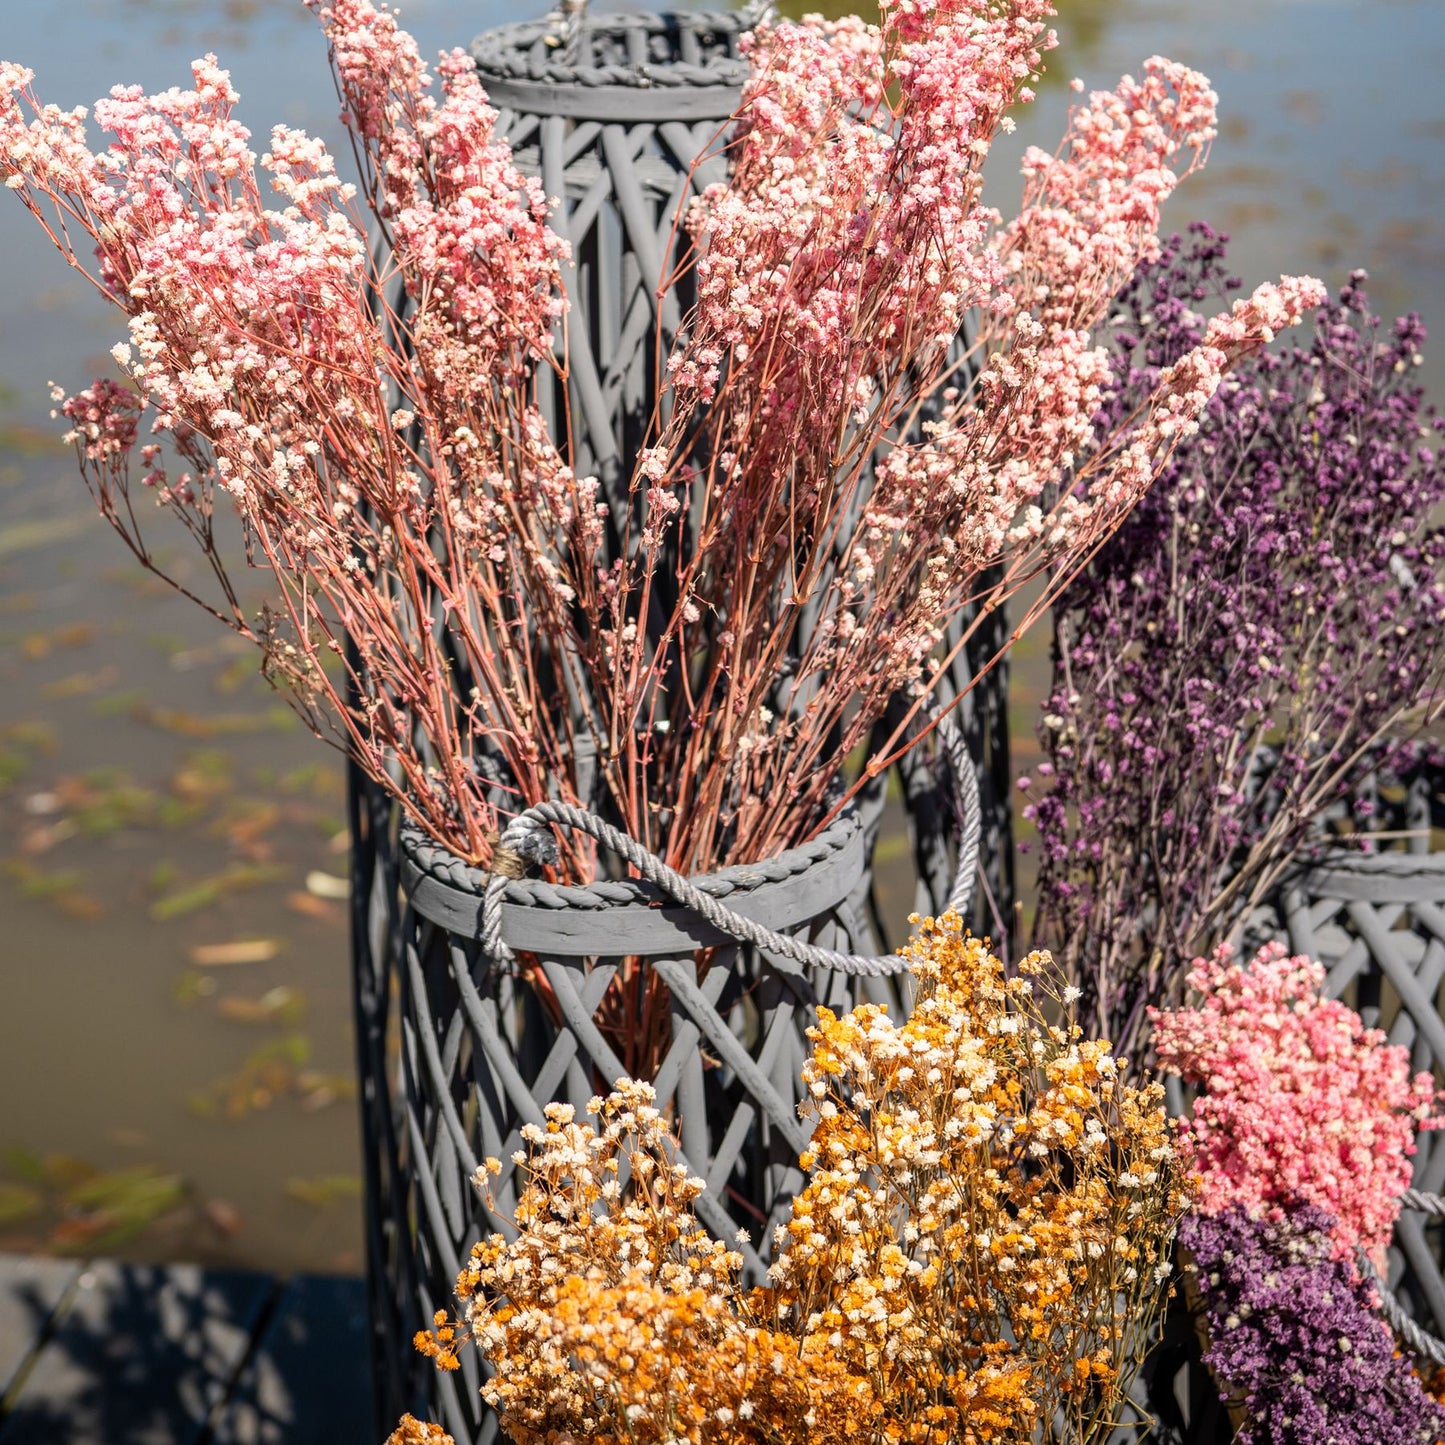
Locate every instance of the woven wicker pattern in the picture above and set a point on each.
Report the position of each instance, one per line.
(596, 139)
(1377, 923)
(626, 52)
(481, 1053)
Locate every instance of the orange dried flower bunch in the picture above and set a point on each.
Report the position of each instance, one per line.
(978, 1253)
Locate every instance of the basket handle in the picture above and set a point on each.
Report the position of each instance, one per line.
(1409, 1331)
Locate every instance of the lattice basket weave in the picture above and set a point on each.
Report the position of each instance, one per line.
(480, 1054)
(1377, 923)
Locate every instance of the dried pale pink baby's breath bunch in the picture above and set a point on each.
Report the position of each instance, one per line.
(827, 485)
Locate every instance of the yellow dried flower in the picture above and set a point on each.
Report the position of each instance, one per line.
(979, 1246)
(415, 1432)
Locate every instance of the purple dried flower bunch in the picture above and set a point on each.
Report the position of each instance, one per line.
(1295, 1338)
(1227, 665)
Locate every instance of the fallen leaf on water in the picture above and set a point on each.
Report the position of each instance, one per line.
(242, 950)
(320, 1091)
(31, 737)
(222, 1216)
(81, 906)
(328, 885)
(76, 1235)
(34, 882)
(116, 703)
(60, 889)
(104, 802)
(304, 903)
(282, 1004)
(206, 891)
(78, 684)
(317, 780)
(206, 774)
(186, 900)
(194, 725)
(107, 1210)
(25, 1164)
(269, 1073)
(36, 645)
(43, 532)
(235, 675)
(191, 987)
(63, 1171)
(19, 1202)
(45, 837)
(247, 822)
(138, 1187)
(324, 1190)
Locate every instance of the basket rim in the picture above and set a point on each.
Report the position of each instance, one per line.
(1334, 871)
(704, 89)
(793, 887)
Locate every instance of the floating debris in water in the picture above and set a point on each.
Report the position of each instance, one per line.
(241, 950)
(324, 1190)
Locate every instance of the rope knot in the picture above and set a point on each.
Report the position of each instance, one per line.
(507, 863)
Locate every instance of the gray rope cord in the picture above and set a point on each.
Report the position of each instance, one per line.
(568, 17)
(1407, 1329)
(524, 836)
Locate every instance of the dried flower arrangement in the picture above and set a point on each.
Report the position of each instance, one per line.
(1300, 1143)
(980, 1248)
(796, 541)
(1242, 651)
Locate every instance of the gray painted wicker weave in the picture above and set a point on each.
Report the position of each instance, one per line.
(481, 1055)
(1377, 923)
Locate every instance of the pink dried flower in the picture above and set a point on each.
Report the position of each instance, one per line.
(828, 486)
(1091, 212)
(1301, 1104)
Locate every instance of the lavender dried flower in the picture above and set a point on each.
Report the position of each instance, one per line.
(1227, 664)
(1295, 1338)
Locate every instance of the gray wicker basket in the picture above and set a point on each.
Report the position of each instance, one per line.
(452, 1053)
(481, 1053)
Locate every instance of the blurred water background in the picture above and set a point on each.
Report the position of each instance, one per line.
(175, 1052)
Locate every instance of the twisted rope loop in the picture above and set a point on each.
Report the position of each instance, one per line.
(1406, 1328)
(524, 837)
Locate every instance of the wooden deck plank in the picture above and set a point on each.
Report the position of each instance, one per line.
(30, 1291)
(142, 1356)
(309, 1382)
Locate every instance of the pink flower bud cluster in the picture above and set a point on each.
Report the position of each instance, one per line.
(470, 231)
(1301, 1103)
(1091, 212)
(218, 287)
